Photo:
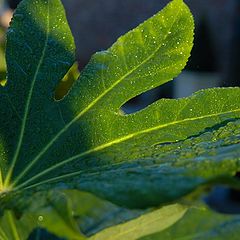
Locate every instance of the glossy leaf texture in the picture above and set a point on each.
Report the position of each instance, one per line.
(166, 172)
(202, 223)
(42, 138)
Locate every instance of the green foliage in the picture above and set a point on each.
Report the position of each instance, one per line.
(67, 82)
(2, 58)
(144, 225)
(84, 142)
(202, 223)
(91, 215)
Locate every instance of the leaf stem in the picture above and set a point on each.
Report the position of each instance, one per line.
(12, 224)
(3, 234)
(1, 181)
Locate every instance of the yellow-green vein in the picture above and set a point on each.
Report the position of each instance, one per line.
(12, 224)
(10, 171)
(119, 140)
(3, 234)
(44, 150)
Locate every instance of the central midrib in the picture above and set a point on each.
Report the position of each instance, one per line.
(116, 141)
(44, 150)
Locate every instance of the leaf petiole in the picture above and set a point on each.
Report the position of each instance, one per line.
(12, 224)
(1, 181)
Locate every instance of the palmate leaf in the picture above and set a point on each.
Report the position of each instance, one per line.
(84, 141)
(201, 223)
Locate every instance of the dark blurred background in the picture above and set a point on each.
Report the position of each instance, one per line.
(214, 61)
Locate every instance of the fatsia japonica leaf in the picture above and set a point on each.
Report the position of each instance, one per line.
(212, 153)
(84, 141)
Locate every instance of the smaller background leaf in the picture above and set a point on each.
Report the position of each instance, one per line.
(202, 223)
(67, 82)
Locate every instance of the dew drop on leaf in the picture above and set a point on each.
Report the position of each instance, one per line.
(19, 17)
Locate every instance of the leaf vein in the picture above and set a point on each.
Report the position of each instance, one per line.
(119, 140)
(10, 171)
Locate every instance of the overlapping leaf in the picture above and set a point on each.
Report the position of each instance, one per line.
(202, 223)
(62, 215)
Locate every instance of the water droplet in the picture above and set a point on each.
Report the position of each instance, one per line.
(10, 30)
(19, 16)
(40, 218)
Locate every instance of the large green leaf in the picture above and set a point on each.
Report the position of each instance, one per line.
(214, 152)
(201, 224)
(84, 141)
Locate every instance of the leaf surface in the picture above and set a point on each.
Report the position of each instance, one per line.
(40, 50)
(84, 141)
(52, 211)
(62, 215)
(12, 229)
(199, 224)
(148, 223)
